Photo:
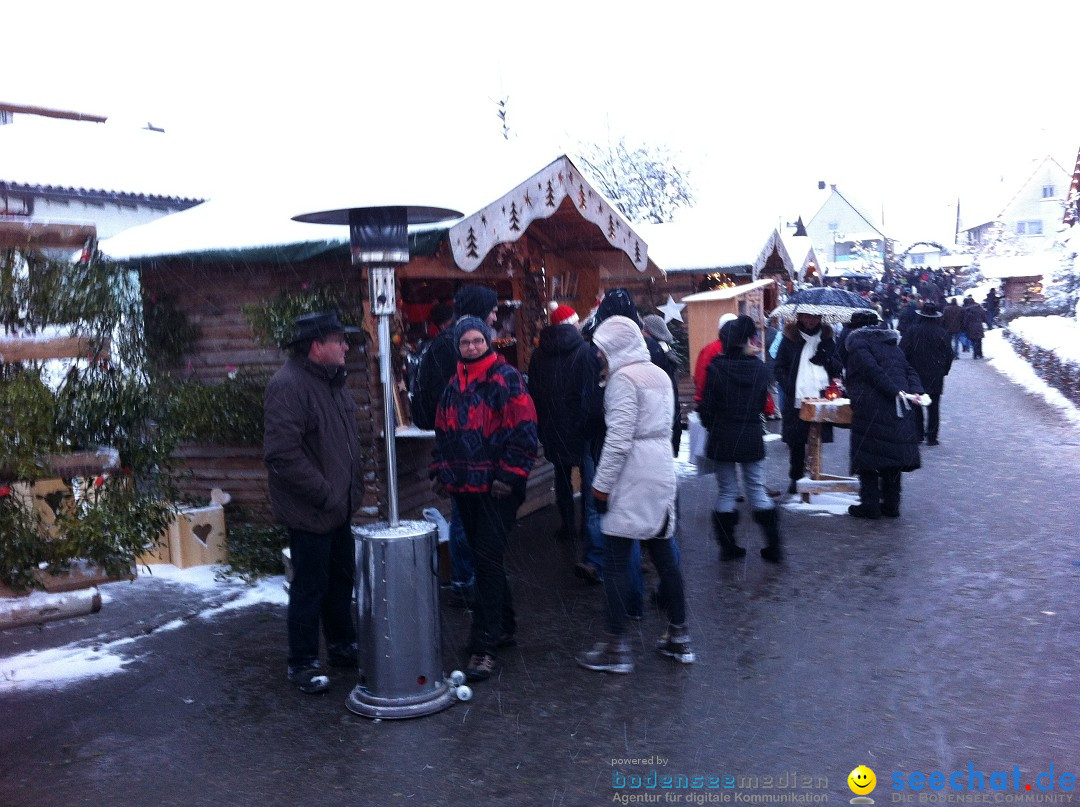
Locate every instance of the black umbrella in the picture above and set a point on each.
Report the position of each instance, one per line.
(832, 305)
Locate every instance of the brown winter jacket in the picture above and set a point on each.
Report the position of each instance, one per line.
(310, 446)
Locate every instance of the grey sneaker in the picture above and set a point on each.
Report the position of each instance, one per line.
(676, 643)
(612, 656)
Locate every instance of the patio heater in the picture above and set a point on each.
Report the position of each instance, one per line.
(397, 583)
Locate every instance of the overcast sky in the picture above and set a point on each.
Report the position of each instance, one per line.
(903, 105)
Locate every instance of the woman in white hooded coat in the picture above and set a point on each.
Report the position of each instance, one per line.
(634, 488)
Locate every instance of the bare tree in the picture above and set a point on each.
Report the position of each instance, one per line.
(644, 182)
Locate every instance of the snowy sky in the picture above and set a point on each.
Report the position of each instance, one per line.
(904, 105)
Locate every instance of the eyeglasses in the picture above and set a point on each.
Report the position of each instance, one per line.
(472, 342)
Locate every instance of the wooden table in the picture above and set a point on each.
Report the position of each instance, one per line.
(817, 411)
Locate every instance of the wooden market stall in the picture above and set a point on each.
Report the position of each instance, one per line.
(703, 311)
(551, 237)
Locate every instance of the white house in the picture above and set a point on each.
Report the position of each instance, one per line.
(1028, 215)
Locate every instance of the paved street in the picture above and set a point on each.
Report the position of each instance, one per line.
(944, 639)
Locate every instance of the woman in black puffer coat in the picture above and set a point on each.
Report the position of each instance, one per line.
(882, 387)
(736, 386)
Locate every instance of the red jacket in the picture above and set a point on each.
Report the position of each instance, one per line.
(485, 428)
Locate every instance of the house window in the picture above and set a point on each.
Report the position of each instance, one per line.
(1048, 192)
(1029, 228)
(917, 260)
(833, 226)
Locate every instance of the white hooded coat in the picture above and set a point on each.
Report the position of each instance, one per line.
(636, 468)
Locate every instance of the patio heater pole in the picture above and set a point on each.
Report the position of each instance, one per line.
(397, 587)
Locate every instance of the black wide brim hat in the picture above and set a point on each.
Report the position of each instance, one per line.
(318, 325)
(930, 311)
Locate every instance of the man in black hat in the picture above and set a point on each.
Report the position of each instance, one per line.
(315, 478)
(928, 349)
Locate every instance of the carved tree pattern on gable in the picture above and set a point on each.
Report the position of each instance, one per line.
(470, 242)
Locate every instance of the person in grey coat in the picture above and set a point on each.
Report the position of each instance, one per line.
(634, 489)
(312, 457)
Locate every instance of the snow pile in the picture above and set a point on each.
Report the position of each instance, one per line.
(1006, 361)
(1059, 335)
(89, 658)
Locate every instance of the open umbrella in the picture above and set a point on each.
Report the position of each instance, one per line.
(832, 305)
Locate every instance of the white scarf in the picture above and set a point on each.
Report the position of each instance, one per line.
(811, 378)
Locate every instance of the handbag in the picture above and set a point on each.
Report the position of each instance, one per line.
(699, 438)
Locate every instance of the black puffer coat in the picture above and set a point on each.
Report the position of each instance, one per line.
(557, 377)
(735, 391)
(928, 349)
(876, 373)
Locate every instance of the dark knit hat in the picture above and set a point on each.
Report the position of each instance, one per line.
(617, 303)
(929, 310)
(860, 319)
(474, 301)
(466, 324)
(737, 333)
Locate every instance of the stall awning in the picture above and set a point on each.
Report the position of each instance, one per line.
(558, 206)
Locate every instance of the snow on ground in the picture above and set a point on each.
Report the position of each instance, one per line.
(91, 657)
(1005, 360)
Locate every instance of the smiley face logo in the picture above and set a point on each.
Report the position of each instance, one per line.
(861, 780)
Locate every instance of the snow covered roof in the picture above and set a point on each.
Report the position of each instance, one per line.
(801, 250)
(707, 240)
(261, 218)
(1034, 265)
(66, 155)
(726, 293)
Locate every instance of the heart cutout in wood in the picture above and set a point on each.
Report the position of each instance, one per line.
(202, 531)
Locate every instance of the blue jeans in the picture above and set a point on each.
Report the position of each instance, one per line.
(592, 551)
(462, 574)
(957, 341)
(727, 481)
(321, 591)
(594, 540)
(618, 554)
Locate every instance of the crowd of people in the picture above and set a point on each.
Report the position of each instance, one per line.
(600, 397)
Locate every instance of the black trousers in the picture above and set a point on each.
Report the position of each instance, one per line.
(321, 591)
(931, 419)
(564, 499)
(487, 522)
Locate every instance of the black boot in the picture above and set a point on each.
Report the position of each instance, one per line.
(869, 505)
(890, 493)
(770, 525)
(724, 529)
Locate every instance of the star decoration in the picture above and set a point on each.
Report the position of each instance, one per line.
(671, 310)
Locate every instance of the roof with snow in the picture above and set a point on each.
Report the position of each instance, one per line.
(710, 240)
(1002, 266)
(83, 157)
(260, 221)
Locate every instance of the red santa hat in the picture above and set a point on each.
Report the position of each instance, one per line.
(562, 314)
